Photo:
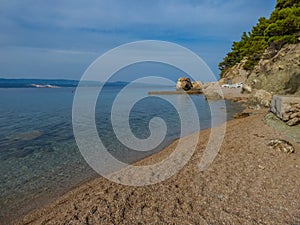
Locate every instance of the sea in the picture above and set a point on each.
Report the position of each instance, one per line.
(39, 157)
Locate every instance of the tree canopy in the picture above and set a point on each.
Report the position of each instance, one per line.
(281, 28)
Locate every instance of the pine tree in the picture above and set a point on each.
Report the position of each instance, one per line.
(281, 28)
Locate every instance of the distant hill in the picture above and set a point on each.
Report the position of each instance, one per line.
(28, 83)
(34, 83)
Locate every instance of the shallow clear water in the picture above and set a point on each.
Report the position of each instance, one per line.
(39, 158)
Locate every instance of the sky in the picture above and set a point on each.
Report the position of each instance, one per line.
(59, 39)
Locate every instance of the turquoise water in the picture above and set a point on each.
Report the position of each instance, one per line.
(39, 158)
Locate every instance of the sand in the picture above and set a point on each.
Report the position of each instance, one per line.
(247, 183)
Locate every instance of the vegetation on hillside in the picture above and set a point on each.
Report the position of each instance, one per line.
(281, 28)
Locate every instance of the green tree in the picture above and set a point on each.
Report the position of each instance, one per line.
(282, 27)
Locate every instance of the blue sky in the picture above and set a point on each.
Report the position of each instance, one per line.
(61, 38)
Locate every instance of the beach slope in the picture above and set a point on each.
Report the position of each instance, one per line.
(248, 183)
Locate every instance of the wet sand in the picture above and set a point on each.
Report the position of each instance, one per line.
(247, 183)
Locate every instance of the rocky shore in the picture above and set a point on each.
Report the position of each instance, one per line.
(249, 182)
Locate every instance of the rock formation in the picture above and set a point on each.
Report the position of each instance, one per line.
(259, 98)
(212, 91)
(246, 89)
(286, 108)
(197, 85)
(277, 72)
(184, 83)
(236, 74)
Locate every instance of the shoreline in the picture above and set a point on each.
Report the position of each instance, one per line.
(39, 201)
(100, 201)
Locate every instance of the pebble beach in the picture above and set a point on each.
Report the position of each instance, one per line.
(248, 183)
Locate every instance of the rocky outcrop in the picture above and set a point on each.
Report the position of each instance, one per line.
(277, 72)
(246, 89)
(212, 91)
(292, 132)
(236, 74)
(259, 98)
(197, 85)
(184, 83)
(286, 108)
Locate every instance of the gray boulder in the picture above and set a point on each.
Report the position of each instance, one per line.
(287, 108)
(212, 91)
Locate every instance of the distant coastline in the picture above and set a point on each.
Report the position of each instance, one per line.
(59, 83)
(36, 83)
(52, 83)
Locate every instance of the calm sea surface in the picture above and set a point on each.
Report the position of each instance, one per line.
(39, 158)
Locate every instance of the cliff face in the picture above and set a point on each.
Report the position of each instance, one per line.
(277, 72)
(267, 57)
(235, 74)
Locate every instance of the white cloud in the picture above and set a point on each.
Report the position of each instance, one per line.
(98, 25)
